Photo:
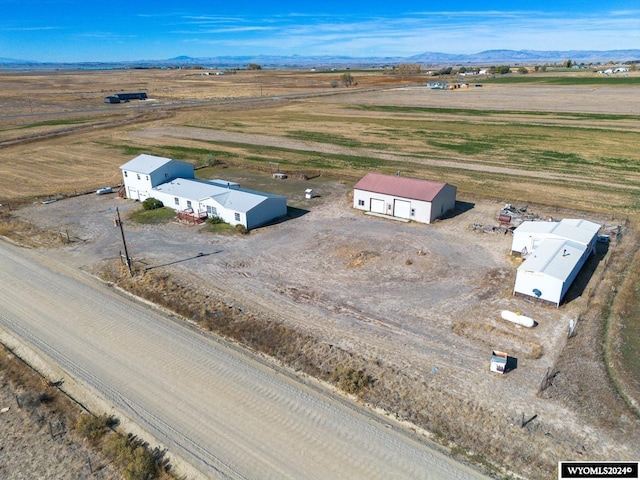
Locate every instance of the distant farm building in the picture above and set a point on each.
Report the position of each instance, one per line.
(409, 198)
(125, 97)
(555, 252)
(174, 184)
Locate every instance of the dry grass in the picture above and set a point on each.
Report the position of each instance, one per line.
(27, 234)
(491, 335)
(623, 331)
(36, 390)
(360, 259)
(38, 436)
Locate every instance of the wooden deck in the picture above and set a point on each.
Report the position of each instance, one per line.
(191, 217)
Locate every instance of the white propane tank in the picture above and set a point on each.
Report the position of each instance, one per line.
(517, 318)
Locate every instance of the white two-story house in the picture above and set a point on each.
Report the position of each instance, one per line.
(145, 172)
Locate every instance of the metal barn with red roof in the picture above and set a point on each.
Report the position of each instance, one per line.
(409, 198)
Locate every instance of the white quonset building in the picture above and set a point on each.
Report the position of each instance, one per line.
(419, 200)
(555, 253)
(174, 184)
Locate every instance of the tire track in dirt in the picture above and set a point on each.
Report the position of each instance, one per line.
(322, 317)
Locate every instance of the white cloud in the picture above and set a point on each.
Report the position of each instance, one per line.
(31, 29)
(105, 35)
(446, 31)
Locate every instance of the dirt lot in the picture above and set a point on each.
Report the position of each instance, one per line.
(423, 301)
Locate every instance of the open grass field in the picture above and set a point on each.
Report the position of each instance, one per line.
(565, 143)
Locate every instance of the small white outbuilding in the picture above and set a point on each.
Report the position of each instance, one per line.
(409, 198)
(498, 362)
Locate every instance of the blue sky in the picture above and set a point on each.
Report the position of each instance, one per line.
(91, 30)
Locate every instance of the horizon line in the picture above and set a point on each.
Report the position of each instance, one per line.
(345, 57)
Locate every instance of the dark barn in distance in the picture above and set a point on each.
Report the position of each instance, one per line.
(125, 97)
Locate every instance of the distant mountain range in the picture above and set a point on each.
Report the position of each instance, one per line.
(530, 56)
(485, 58)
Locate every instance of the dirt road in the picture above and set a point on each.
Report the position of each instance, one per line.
(212, 404)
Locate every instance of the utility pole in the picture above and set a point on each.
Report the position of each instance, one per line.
(126, 253)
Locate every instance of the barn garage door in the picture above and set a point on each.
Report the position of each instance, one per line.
(401, 208)
(377, 206)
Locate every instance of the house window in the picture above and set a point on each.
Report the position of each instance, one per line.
(147, 177)
(138, 176)
(188, 203)
(361, 203)
(176, 200)
(125, 173)
(237, 216)
(166, 174)
(413, 212)
(212, 211)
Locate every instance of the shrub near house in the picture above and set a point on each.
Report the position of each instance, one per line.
(152, 203)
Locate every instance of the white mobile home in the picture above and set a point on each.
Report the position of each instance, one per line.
(413, 199)
(218, 198)
(555, 253)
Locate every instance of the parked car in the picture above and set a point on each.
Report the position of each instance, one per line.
(103, 190)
